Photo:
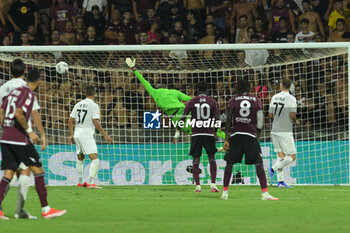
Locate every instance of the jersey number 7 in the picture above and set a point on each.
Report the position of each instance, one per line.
(81, 119)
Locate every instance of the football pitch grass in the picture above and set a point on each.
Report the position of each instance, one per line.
(164, 209)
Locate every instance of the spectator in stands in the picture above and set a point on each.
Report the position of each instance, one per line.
(132, 100)
(69, 36)
(281, 35)
(305, 35)
(241, 30)
(242, 7)
(143, 38)
(45, 28)
(315, 22)
(21, 15)
(291, 4)
(121, 5)
(91, 38)
(6, 41)
(61, 14)
(33, 39)
(2, 17)
(80, 30)
(197, 6)
(194, 26)
(339, 34)
(277, 13)
(218, 8)
(55, 38)
(121, 38)
(88, 4)
(338, 13)
(219, 33)
(181, 33)
(25, 39)
(264, 36)
(153, 35)
(169, 12)
(319, 38)
(290, 37)
(96, 20)
(140, 8)
(110, 35)
(130, 28)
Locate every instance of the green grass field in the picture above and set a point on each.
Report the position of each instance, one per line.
(178, 209)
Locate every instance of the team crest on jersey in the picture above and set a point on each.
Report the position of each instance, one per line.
(28, 101)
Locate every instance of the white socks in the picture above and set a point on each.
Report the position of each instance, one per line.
(280, 175)
(93, 170)
(23, 186)
(80, 170)
(45, 209)
(282, 163)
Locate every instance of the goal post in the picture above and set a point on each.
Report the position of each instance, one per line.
(143, 153)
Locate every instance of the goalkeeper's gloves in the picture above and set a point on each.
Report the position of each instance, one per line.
(131, 63)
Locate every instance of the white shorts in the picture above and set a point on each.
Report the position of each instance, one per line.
(284, 144)
(85, 145)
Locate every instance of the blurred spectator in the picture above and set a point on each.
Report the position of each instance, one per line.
(55, 38)
(33, 38)
(338, 13)
(290, 37)
(219, 32)
(281, 35)
(2, 17)
(241, 30)
(6, 41)
(140, 8)
(21, 15)
(281, 11)
(130, 28)
(305, 35)
(88, 4)
(169, 12)
(143, 38)
(194, 4)
(121, 38)
(121, 5)
(218, 9)
(110, 35)
(80, 30)
(319, 38)
(339, 34)
(45, 28)
(181, 33)
(315, 22)
(289, 4)
(45, 5)
(96, 20)
(61, 14)
(194, 26)
(210, 37)
(132, 99)
(69, 36)
(264, 36)
(242, 7)
(25, 38)
(91, 38)
(153, 35)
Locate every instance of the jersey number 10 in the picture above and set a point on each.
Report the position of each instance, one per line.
(203, 111)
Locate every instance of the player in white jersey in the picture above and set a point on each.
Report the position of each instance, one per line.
(283, 108)
(18, 71)
(86, 116)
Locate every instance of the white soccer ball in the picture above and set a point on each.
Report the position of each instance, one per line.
(62, 67)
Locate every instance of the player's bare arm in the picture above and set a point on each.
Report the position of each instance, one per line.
(37, 122)
(71, 123)
(19, 115)
(98, 126)
(229, 114)
(295, 121)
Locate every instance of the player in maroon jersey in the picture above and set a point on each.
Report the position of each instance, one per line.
(17, 142)
(203, 109)
(244, 112)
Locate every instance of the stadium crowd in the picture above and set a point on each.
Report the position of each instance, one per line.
(320, 85)
(120, 22)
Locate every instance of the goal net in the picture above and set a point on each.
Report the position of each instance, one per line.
(140, 155)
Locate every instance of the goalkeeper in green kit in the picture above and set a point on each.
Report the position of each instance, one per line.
(168, 100)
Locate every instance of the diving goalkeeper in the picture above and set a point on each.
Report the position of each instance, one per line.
(168, 100)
